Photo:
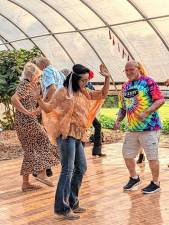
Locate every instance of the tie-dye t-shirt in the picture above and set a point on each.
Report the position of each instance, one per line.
(136, 97)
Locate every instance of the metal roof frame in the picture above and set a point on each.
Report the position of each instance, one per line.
(149, 22)
(14, 24)
(45, 26)
(112, 30)
(76, 29)
(4, 41)
(80, 31)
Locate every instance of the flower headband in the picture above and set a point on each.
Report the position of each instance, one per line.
(91, 75)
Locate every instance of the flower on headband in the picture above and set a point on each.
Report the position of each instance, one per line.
(91, 75)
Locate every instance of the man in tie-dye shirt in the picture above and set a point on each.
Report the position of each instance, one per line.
(139, 100)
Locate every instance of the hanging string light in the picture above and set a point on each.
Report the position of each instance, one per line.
(113, 41)
(119, 46)
(110, 37)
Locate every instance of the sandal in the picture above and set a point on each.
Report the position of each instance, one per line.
(45, 181)
(31, 187)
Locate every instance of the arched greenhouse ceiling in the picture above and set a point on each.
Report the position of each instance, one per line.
(91, 32)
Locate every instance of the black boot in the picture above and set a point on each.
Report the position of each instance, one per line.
(102, 155)
(97, 151)
(97, 139)
(141, 158)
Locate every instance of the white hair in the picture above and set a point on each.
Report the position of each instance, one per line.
(42, 61)
(29, 71)
(66, 72)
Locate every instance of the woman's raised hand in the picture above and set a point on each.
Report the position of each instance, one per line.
(35, 89)
(104, 71)
(167, 82)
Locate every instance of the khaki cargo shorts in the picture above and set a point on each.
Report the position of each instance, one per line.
(134, 141)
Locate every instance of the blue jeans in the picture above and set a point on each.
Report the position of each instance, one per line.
(74, 165)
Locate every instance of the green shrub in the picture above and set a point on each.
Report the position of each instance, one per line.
(165, 128)
(111, 102)
(108, 122)
(11, 66)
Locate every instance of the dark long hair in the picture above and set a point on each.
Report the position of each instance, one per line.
(77, 71)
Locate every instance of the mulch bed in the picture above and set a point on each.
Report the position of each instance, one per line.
(10, 147)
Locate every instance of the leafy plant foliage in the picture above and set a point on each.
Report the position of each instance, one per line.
(11, 66)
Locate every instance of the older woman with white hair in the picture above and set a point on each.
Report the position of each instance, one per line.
(39, 153)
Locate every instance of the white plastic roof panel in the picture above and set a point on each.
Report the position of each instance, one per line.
(78, 31)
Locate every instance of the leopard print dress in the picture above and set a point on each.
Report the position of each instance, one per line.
(39, 153)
